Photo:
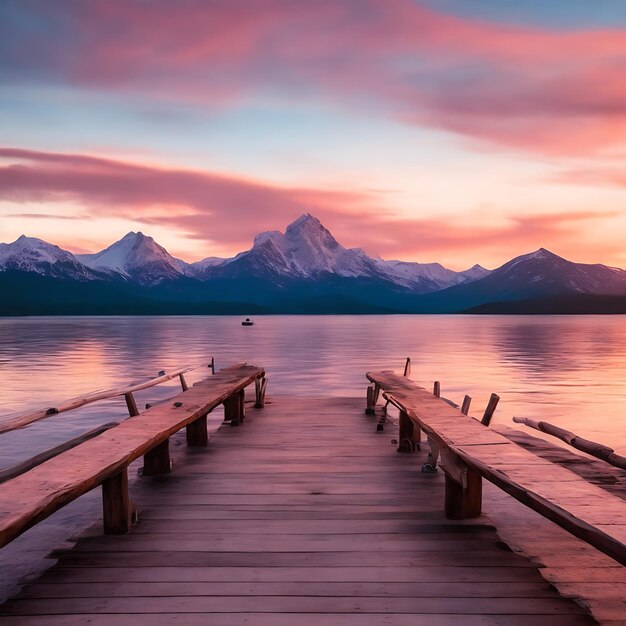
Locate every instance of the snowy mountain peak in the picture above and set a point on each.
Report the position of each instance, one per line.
(541, 254)
(29, 254)
(308, 230)
(139, 257)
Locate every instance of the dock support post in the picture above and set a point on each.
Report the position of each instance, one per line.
(197, 434)
(370, 409)
(464, 502)
(373, 391)
(116, 505)
(437, 389)
(234, 408)
(259, 387)
(157, 461)
(409, 434)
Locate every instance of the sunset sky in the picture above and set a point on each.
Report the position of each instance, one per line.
(459, 131)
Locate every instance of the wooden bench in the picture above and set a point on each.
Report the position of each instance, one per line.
(104, 460)
(471, 451)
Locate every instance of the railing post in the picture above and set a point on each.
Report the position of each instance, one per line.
(131, 404)
(183, 382)
(407, 367)
(466, 405)
(489, 411)
(116, 505)
(157, 461)
(197, 433)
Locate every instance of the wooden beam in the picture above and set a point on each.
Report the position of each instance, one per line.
(25, 466)
(157, 461)
(197, 433)
(116, 505)
(437, 389)
(19, 420)
(593, 448)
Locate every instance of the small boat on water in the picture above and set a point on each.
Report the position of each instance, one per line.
(247, 322)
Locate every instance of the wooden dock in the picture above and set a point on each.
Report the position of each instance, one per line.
(302, 515)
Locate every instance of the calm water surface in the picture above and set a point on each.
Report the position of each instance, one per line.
(569, 370)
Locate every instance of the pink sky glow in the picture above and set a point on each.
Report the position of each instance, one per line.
(411, 132)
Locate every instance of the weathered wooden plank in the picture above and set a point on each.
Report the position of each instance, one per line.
(482, 557)
(336, 526)
(290, 604)
(291, 543)
(31, 497)
(302, 619)
(422, 573)
(398, 589)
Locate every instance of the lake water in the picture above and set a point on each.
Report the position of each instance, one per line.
(569, 370)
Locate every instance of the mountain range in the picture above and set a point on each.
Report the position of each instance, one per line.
(303, 270)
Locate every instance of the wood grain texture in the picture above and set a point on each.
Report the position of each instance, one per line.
(276, 523)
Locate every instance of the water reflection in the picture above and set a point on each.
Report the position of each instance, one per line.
(569, 370)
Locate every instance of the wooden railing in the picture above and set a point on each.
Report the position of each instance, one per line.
(471, 452)
(593, 448)
(28, 498)
(19, 420)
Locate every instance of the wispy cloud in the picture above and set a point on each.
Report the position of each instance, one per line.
(546, 91)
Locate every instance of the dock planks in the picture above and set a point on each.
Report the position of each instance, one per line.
(297, 517)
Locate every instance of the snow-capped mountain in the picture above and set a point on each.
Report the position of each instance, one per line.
(544, 273)
(407, 273)
(308, 251)
(139, 258)
(304, 269)
(29, 254)
(540, 274)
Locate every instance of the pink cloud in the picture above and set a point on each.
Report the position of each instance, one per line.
(557, 92)
(214, 207)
